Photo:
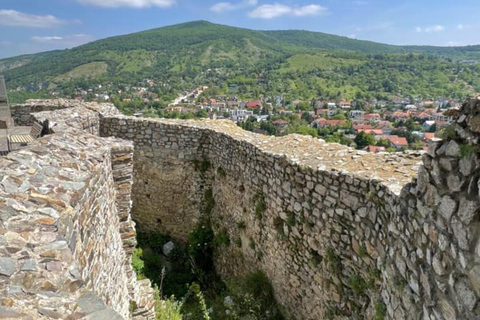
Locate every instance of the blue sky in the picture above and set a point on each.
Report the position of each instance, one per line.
(30, 26)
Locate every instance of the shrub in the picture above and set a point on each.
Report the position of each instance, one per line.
(167, 309)
(138, 264)
(255, 297)
(221, 239)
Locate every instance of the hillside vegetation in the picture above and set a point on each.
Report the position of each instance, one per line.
(301, 64)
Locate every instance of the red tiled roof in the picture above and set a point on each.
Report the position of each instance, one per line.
(362, 127)
(429, 135)
(280, 122)
(397, 141)
(253, 104)
(323, 122)
(376, 132)
(371, 115)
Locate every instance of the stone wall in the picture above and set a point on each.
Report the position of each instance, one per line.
(22, 114)
(66, 233)
(165, 161)
(341, 233)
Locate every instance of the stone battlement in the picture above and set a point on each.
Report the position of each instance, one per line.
(340, 233)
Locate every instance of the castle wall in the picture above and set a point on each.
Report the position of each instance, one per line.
(164, 168)
(22, 114)
(61, 236)
(66, 233)
(341, 233)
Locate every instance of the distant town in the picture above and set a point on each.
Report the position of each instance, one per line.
(397, 124)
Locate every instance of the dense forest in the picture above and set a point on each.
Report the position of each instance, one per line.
(297, 64)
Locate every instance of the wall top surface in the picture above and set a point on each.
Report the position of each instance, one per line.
(394, 170)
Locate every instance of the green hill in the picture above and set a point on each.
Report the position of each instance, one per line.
(180, 55)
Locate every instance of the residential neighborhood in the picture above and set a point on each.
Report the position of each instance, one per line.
(396, 124)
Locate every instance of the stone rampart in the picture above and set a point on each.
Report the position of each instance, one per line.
(22, 114)
(341, 233)
(66, 233)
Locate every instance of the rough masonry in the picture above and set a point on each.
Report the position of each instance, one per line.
(342, 234)
(66, 234)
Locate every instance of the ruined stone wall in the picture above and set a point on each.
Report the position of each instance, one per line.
(60, 234)
(22, 114)
(66, 233)
(164, 168)
(342, 234)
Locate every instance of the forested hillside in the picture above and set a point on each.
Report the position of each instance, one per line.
(300, 64)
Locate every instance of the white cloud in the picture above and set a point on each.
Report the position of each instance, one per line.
(436, 28)
(64, 42)
(46, 39)
(463, 26)
(129, 3)
(221, 7)
(19, 19)
(270, 11)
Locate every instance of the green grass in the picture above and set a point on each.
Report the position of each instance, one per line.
(307, 62)
(92, 70)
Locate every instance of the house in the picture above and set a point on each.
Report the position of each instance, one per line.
(324, 123)
(424, 116)
(373, 117)
(285, 112)
(344, 104)
(385, 126)
(397, 142)
(428, 136)
(331, 105)
(322, 112)
(358, 127)
(428, 124)
(358, 114)
(375, 132)
(425, 103)
(280, 123)
(441, 117)
(332, 112)
(240, 115)
(260, 117)
(398, 115)
(254, 104)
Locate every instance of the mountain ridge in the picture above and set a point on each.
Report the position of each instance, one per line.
(185, 51)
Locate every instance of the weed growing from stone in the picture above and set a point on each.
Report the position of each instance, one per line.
(380, 310)
(221, 239)
(468, 150)
(241, 225)
(290, 219)
(259, 205)
(221, 172)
